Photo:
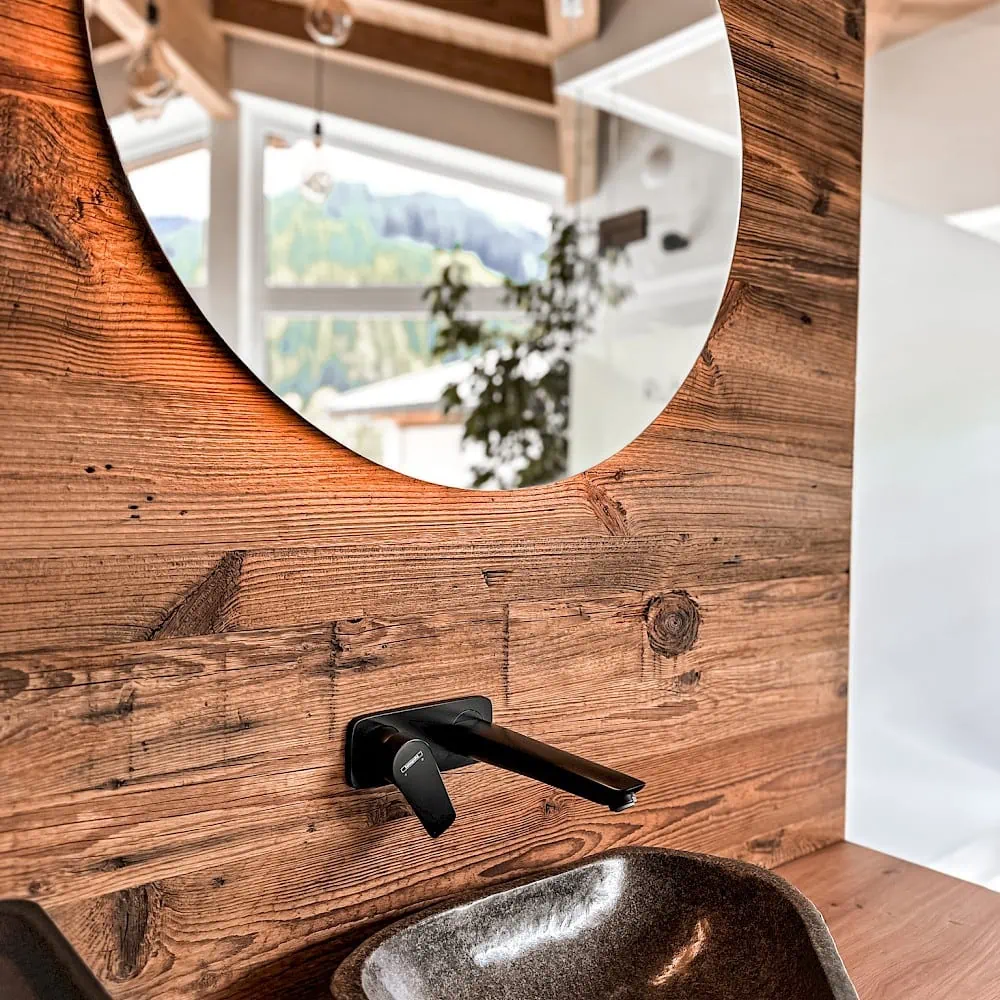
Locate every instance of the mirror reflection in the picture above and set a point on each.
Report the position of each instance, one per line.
(482, 245)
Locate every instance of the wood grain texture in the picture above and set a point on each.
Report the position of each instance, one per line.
(198, 590)
(904, 932)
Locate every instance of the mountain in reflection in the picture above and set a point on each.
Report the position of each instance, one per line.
(360, 238)
(432, 220)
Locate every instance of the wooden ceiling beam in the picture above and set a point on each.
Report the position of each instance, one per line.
(105, 45)
(457, 27)
(193, 44)
(579, 148)
(566, 32)
(528, 15)
(892, 21)
(579, 124)
(515, 83)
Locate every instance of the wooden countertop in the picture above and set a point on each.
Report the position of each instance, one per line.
(905, 932)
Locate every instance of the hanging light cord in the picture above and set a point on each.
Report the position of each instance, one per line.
(318, 84)
(577, 194)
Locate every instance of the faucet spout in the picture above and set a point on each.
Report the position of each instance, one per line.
(474, 737)
(411, 747)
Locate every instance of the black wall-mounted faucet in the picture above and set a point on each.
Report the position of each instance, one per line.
(411, 747)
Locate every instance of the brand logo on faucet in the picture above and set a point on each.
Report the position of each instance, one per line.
(415, 759)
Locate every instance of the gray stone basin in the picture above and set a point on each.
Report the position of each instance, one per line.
(633, 924)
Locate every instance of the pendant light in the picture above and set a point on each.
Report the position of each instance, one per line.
(317, 159)
(150, 77)
(144, 112)
(328, 23)
(317, 168)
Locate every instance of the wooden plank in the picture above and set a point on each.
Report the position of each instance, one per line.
(203, 591)
(192, 43)
(904, 932)
(485, 27)
(768, 431)
(513, 82)
(261, 716)
(525, 15)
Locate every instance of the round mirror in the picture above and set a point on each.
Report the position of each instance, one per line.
(480, 244)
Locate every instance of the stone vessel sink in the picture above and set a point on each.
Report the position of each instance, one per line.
(630, 925)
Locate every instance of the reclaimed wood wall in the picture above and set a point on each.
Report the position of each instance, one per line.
(198, 591)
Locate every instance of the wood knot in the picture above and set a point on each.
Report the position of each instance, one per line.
(672, 622)
(12, 683)
(609, 511)
(209, 606)
(385, 809)
(132, 917)
(768, 845)
(33, 192)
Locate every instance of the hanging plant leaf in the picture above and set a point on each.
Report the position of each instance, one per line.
(516, 397)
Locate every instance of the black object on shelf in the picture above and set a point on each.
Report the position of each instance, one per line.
(37, 962)
(672, 242)
(620, 231)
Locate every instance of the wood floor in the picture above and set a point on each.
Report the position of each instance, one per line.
(904, 932)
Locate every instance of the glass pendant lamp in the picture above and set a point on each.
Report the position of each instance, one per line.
(328, 23)
(317, 167)
(150, 77)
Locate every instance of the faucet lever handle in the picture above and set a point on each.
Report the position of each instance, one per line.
(411, 767)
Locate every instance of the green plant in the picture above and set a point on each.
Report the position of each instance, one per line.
(516, 399)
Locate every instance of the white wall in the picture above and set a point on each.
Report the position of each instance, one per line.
(932, 118)
(642, 351)
(924, 747)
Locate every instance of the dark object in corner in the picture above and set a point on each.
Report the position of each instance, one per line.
(619, 231)
(37, 962)
(410, 747)
(672, 242)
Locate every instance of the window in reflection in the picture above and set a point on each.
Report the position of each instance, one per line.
(173, 194)
(385, 223)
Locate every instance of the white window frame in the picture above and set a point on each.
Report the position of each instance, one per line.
(237, 223)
